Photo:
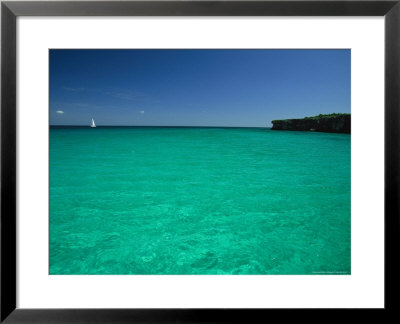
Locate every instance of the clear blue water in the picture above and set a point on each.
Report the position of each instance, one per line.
(198, 201)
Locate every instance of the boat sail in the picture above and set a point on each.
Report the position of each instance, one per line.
(93, 124)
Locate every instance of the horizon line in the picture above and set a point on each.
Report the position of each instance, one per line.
(159, 126)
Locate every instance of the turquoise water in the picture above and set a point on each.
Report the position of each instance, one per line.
(199, 201)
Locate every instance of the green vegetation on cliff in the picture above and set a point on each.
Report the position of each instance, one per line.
(331, 123)
(320, 116)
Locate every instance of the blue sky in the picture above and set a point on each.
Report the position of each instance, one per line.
(247, 88)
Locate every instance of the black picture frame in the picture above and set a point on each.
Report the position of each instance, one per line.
(10, 10)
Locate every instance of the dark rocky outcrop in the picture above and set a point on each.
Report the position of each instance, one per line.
(332, 123)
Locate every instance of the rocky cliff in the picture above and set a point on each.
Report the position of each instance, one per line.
(333, 123)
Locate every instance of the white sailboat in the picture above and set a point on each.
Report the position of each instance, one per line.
(93, 124)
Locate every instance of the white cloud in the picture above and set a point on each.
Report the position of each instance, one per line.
(74, 89)
(142, 112)
(59, 112)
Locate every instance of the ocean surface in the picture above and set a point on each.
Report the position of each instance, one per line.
(152, 200)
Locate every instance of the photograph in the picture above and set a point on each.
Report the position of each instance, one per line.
(199, 161)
